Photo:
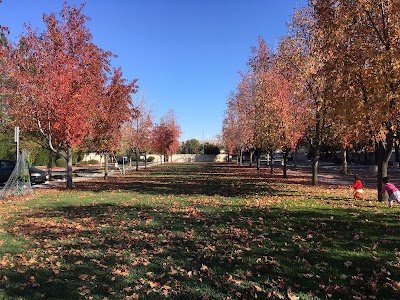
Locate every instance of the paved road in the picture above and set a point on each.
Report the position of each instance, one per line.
(331, 173)
(327, 172)
(84, 173)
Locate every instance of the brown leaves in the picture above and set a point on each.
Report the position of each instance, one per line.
(291, 295)
(83, 277)
(137, 245)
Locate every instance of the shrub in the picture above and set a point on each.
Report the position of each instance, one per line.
(77, 157)
(40, 158)
(91, 162)
(150, 159)
(61, 162)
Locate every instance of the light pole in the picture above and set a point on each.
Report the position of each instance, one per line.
(16, 139)
(203, 143)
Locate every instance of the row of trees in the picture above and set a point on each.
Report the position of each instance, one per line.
(263, 115)
(60, 87)
(333, 80)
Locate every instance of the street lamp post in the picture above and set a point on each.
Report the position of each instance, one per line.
(16, 140)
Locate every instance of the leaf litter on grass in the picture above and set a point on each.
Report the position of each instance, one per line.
(278, 240)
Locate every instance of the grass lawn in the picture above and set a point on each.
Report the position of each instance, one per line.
(199, 231)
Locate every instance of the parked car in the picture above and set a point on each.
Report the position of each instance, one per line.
(122, 160)
(6, 168)
(36, 175)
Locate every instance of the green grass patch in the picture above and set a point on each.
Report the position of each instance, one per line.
(199, 231)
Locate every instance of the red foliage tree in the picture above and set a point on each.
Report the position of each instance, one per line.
(230, 128)
(246, 113)
(137, 132)
(165, 135)
(59, 78)
(295, 116)
(114, 109)
(270, 101)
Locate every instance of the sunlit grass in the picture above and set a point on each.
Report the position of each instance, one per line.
(240, 234)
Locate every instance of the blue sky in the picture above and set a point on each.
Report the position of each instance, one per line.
(186, 54)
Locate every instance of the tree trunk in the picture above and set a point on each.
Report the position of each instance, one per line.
(285, 157)
(315, 158)
(376, 156)
(295, 157)
(106, 157)
(145, 160)
(258, 159)
(50, 163)
(251, 158)
(344, 161)
(69, 167)
(271, 163)
(365, 155)
(241, 157)
(137, 159)
(384, 151)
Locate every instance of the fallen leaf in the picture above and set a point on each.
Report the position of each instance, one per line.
(291, 295)
(83, 276)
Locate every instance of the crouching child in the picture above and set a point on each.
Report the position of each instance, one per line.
(391, 190)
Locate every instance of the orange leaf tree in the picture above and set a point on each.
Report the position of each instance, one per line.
(231, 129)
(275, 126)
(238, 125)
(364, 53)
(302, 49)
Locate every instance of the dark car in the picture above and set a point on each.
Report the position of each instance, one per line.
(123, 160)
(36, 175)
(6, 168)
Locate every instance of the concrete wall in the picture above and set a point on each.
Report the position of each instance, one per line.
(92, 155)
(197, 158)
(172, 158)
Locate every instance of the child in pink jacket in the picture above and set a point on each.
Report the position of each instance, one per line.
(393, 192)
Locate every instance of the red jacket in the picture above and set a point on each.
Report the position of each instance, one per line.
(357, 185)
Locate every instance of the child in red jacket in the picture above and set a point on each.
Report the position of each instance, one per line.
(358, 188)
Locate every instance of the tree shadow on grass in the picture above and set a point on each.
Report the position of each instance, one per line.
(203, 179)
(117, 251)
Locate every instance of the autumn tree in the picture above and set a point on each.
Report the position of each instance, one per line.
(137, 132)
(246, 112)
(59, 76)
(302, 49)
(114, 108)
(263, 114)
(270, 101)
(294, 121)
(241, 109)
(366, 50)
(5, 82)
(165, 135)
(231, 129)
